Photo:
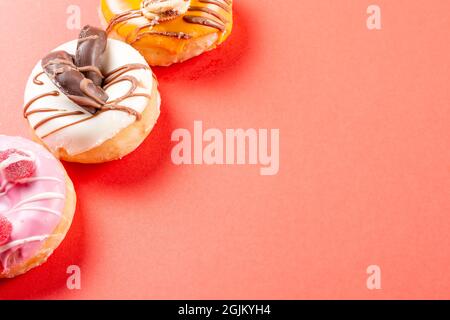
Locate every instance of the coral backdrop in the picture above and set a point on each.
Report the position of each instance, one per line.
(364, 160)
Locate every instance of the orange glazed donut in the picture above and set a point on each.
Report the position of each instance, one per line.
(168, 31)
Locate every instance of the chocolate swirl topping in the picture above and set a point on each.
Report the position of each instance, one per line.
(60, 68)
(80, 78)
(90, 51)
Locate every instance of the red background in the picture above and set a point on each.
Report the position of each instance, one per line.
(364, 176)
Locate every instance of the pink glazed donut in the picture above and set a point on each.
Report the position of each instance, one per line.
(37, 204)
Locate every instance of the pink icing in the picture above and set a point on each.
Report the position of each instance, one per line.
(35, 207)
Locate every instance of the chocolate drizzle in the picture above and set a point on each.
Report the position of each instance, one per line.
(205, 22)
(178, 35)
(123, 17)
(208, 11)
(28, 105)
(219, 21)
(111, 76)
(223, 4)
(36, 79)
(61, 115)
(63, 70)
(68, 125)
(29, 113)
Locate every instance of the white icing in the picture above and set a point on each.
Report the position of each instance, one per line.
(22, 242)
(33, 179)
(39, 197)
(7, 186)
(89, 134)
(42, 209)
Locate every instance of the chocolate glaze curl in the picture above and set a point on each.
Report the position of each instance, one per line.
(80, 78)
(90, 53)
(60, 68)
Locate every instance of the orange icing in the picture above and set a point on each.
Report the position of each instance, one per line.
(129, 29)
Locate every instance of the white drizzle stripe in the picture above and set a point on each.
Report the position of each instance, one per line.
(39, 197)
(56, 213)
(22, 242)
(6, 190)
(6, 187)
(29, 180)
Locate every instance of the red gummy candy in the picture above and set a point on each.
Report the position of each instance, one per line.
(5, 230)
(18, 170)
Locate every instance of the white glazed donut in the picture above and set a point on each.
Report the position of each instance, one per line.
(75, 134)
